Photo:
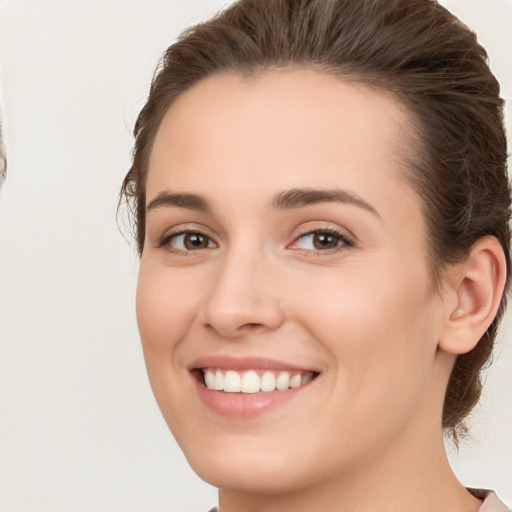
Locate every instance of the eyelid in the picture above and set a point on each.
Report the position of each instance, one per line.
(181, 229)
(345, 236)
(347, 239)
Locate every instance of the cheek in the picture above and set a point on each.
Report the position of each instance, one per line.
(165, 307)
(164, 314)
(365, 304)
(378, 325)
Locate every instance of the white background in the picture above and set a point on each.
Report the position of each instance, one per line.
(79, 429)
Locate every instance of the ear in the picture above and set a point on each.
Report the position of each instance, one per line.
(474, 289)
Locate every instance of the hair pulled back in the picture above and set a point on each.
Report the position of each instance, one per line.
(416, 50)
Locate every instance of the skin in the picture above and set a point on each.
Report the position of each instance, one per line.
(366, 434)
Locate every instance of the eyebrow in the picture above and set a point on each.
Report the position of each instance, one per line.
(180, 200)
(286, 200)
(299, 197)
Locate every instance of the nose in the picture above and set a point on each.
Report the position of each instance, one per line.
(243, 298)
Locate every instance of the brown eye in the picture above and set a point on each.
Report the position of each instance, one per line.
(193, 241)
(189, 241)
(323, 241)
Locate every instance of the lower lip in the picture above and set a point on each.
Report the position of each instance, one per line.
(245, 405)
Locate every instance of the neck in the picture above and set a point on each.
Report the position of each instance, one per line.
(415, 478)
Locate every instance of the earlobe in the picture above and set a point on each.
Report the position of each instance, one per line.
(477, 285)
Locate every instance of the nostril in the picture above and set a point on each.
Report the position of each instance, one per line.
(241, 317)
(234, 331)
(251, 327)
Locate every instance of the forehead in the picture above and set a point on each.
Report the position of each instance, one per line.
(279, 129)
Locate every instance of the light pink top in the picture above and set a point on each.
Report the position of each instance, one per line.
(491, 502)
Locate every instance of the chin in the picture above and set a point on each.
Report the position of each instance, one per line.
(247, 467)
(244, 476)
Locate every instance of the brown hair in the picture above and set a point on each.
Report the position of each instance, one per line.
(415, 49)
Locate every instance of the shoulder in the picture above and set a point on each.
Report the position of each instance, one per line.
(491, 502)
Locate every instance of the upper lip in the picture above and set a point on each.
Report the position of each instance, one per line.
(244, 363)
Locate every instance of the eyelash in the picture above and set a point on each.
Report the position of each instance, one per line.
(166, 239)
(345, 241)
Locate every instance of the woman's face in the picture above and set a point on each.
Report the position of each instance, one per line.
(285, 251)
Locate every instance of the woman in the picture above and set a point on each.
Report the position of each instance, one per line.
(321, 207)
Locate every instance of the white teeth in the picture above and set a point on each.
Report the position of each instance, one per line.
(268, 382)
(209, 379)
(219, 381)
(296, 380)
(250, 382)
(283, 381)
(306, 378)
(231, 381)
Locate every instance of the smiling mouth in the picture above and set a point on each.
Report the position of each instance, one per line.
(253, 381)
